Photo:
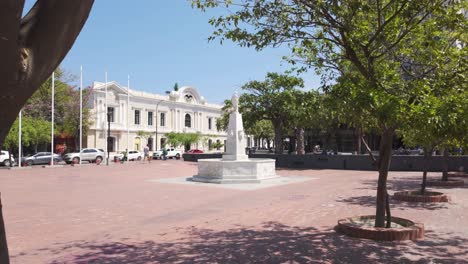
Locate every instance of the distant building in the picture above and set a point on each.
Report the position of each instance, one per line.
(184, 110)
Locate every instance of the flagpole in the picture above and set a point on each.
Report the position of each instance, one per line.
(105, 118)
(81, 109)
(128, 114)
(19, 140)
(52, 120)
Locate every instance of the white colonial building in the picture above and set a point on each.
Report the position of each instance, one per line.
(139, 118)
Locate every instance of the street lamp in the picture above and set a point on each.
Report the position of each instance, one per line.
(108, 136)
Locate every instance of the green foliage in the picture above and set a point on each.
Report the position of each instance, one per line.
(261, 129)
(223, 121)
(66, 104)
(144, 134)
(371, 39)
(34, 132)
(217, 145)
(272, 99)
(182, 139)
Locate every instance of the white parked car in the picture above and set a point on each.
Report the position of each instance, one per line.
(5, 158)
(132, 155)
(87, 154)
(171, 153)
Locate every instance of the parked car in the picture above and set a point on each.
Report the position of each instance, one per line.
(40, 158)
(132, 155)
(87, 154)
(171, 153)
(5, 158)
(194, 151)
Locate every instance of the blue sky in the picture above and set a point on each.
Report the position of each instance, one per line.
(160, 43)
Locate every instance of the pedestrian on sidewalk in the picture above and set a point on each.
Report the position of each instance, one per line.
(146, 154)
(164, 153)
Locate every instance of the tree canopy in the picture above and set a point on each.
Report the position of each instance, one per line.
(182, 139)
(271, 99)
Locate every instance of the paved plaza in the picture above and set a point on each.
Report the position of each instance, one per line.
(146, 213)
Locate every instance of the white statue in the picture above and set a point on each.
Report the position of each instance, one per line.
(235, 102)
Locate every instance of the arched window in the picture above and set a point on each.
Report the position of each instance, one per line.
(188, 120)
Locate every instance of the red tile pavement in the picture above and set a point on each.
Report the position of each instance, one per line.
(119, 214)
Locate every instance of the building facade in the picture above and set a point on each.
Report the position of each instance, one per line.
(138, 118)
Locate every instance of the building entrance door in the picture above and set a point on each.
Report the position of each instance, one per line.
(137, 143)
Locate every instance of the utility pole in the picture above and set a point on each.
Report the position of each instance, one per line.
(108, 136)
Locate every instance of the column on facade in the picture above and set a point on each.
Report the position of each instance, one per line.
(195, 120)
(120, 108)
(97, 117)
(175, 120)
(171, 120)
(174, 123)
(178, 127)
(200, 122)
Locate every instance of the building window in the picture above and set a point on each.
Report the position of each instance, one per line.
(110, 114)
(210, 143)
(150, 118)
(210, 123)
(163, 120)
(137, 117)
(188, 120)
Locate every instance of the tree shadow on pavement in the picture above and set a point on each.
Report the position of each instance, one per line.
(370, 201)
(274, 243)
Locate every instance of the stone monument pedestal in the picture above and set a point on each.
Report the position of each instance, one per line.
(235, 166)
(235, 171)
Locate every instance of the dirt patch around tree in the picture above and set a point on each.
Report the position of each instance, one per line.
(416, 196)
(362, 227)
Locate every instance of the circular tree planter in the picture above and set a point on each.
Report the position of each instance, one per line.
(363, 227)
(448, 183)
(416, 196)
(458, 174)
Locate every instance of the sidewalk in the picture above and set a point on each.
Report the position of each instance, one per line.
(128, 214)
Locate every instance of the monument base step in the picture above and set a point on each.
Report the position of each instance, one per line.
(229, 179)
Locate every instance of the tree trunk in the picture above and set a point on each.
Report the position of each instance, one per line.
(387, 210)
(385, 155)
(278, 139)
(4, 258)
(445, 165)
(300, 141)
(427, 156)
(26, 62)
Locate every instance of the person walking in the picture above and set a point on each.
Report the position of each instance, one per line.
(146, 154)
(164, 153)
